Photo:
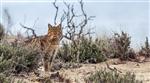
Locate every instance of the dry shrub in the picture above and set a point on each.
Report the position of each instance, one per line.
(145, 50)
(17, 59)
(84, 50)
(121, 47)
(104, 76)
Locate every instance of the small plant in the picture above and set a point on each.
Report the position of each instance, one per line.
(90, 51)
(121, 46)
(104, 76)
(145, 51)
(105, 46)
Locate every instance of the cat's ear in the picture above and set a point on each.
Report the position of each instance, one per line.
(49, 26)
(59, 25)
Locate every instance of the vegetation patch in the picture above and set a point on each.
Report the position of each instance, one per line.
(84, 50)
(17, 59)
(104, 76)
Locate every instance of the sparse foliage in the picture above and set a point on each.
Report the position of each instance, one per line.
(145, 50)
(17, 59)
(104, 76)
(86, 51)
(121, 46)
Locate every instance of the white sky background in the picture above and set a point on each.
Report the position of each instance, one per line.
(131, 16)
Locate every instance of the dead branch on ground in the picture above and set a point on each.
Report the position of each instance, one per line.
(112, 69)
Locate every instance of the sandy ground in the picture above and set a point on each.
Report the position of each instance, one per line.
(77, 75)
(141, 70)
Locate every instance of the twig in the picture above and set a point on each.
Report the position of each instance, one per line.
(54, 3)
(32, 30)
(75, 29)
(112, 69)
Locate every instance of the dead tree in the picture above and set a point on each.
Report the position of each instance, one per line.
(73, 30)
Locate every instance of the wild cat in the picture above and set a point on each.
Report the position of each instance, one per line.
(47, 44)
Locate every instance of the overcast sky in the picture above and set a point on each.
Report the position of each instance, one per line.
(131, 16)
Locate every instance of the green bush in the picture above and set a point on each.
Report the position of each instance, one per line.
(104, 76)
(90, 50)
(145, 50)
(121, 46)
(84, 50)
(97, 50)
(17, 59)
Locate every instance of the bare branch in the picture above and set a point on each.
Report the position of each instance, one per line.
(62, 18)
(54, 3)
(85, 18)
(74, 28)
(32, 30)
(73, 14)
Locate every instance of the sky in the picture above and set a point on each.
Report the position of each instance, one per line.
(131, 16)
